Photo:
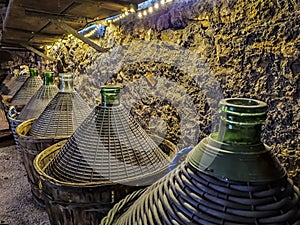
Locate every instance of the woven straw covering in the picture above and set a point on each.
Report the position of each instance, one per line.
(38, 102)
(64, 113)
(230, 177)
(28, 89)
(109, 146)
(189, 196)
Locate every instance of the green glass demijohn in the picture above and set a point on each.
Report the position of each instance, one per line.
(33, 72)
(236, 152)
(66, 82)
(48, 78)
(110, 96)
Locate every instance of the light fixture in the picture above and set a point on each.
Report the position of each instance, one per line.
(143, 9)
(150, 9)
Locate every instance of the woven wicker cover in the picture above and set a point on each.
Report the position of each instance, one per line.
(188, 196)
(28, 89)
(38, 102)
(64, 113)
(109, 146)
(238, 181)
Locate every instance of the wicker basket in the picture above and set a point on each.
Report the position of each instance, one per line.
(30, 147)
(57, 122)
(14, 123)
(79, 203)
(33, 109)
(108, 156)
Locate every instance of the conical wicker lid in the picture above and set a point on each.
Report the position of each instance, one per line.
(28, 89)
(38, 102)
(109, 146)
(64, 113)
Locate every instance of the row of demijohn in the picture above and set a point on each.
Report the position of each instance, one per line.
(99, 166)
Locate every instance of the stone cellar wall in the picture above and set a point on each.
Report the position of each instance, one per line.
(175, 65)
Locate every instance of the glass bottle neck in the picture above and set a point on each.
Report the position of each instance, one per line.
(110, 96)
(48, 78)
(241, 121)
(34, 72)
(66, 82)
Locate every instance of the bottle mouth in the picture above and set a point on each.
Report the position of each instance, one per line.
(48, 77)
(66, 76)
(66, 82)
(33, 72)
(110, 95)
(242, 111)
(243, 106)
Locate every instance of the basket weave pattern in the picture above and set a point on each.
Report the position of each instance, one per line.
(28, 89)
(13, 126)
(30, 147)
(64, 113)
(109, 145)
(38, 102)
(188, 196)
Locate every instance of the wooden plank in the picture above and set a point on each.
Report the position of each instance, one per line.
(113, 4)
(75, 33)
(41, 34)
(38, 52)
(46, 15)
(9, 7)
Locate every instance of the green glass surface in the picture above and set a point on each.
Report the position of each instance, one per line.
(48, 78)
(236, 152)
(66, 82)
(241, 120)
(34, 72)
(110, 96)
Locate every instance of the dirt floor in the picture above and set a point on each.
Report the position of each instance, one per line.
(17, 206)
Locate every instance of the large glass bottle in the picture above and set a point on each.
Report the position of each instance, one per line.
(33, 72)
(66, 82)
(230, 177)
(48, 78)
(110, 96)
(236, 152)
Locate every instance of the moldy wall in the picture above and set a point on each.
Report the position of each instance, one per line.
(175, 65)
